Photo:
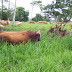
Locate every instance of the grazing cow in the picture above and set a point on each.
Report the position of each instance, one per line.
(57, 27)
(59, 22)
(51, 30)
(18, 23)
(62, 33)
(8, 22)
(51, 23)
(45, 22)
(1, 27)
(4, 23)
(32, 22)
(71, 25)
(19, 37)
(40, 21)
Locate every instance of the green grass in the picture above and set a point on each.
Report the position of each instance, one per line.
(47, 55)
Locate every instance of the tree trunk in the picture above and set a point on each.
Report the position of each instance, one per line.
(9, 10)
(65, 1)
(2, 11)
(14, 15)
(31, 12)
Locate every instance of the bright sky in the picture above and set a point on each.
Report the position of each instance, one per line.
(26, 4)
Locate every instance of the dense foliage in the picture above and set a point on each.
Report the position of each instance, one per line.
(61, 10)
(39, 17)
(5, 15)
(21, 14)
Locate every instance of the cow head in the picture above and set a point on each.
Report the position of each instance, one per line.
(34, 36)
(38, 35)
(52, 29)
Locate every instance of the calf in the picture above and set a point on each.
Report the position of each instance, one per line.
(19, 37)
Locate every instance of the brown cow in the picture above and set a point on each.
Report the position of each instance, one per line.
(71, 25)
(39, 21)
(59, 22)
(32, 22)
(62, 33)
(51, 23)
(19, 37)
(45, 22)
(57, 27)
(51, 30)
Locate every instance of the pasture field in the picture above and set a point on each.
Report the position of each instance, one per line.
(47, 55)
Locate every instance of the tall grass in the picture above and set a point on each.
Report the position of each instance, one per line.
(47, 55)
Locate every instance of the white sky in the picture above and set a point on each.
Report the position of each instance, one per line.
(26, 4)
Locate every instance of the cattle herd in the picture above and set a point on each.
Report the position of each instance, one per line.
(44, 22)
(4, 23)
(19, 37)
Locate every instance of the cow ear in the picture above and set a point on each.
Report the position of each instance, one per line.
(39, 33)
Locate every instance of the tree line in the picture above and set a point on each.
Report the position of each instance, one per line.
(5, 13)
(60, 10)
